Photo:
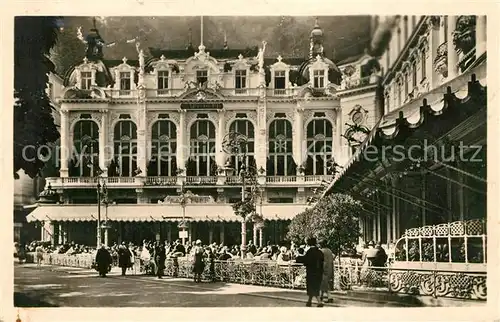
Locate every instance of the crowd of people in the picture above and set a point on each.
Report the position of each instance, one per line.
(316, 257)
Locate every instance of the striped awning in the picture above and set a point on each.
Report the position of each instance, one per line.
(159, 212)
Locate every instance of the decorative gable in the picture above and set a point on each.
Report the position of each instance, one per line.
(120, 72)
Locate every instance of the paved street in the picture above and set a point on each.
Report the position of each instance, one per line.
(51, 286)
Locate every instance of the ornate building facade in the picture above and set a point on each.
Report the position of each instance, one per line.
(434, 86)
(150, 127)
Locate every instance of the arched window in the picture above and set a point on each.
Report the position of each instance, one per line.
(125, 145)
(163, 149)
(319, 147)
(202, 149)
(85, 162)
(280, 161)
(246, 128)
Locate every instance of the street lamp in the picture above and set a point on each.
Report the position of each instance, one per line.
(185, 197)
(235, 144)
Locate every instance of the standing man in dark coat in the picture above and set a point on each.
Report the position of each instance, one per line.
(160, 256)
(124, 258)
(313, 261)
(103, 261)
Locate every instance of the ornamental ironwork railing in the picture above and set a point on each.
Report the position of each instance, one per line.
(348, 275)
(454, 242)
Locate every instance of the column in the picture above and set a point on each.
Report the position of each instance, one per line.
(48, 231)
(423, 196)
(64, 146)
(106, 237)
(261, 134)
(221, 132)
(221, 234)
(169, 232)
(210, 233)
(481, 31)
(190, 235)
(452, 53)
(255, 234)
(298, 129)
(60, 237)
(362, 229)
(394, 210)
(103, 143)
(338, 148)
(261, 237)
(181, 146)
(141, 150)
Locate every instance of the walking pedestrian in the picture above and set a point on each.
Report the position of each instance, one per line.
(39, 255)
(199, 264)
(160, 256)
(313, 261)
(103, 261)
(124, 258)
(328, 271)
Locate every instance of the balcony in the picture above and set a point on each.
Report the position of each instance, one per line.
(88, 182)
(201, 180)
(165, 181)
(160, 181)
(281, 180)
(240, 91)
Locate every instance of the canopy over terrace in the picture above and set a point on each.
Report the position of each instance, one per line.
(134, 223)
(413, 188)
(160, 212)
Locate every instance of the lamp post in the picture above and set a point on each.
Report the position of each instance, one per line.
(235, 144)
(185, 196)
(98, 213)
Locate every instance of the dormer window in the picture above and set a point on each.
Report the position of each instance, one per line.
(240, 81)
(201, 76)
(319, 79)
(86, 80)
(125, 83)
(163, 82)
(279, 80)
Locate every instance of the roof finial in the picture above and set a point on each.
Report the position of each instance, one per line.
(94, 23)
(316, 23)
(225, 40)
(190, 38)
(201, 47)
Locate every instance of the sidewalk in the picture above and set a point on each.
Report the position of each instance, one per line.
(341, 298)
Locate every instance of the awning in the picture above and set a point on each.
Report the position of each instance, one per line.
(157, 212)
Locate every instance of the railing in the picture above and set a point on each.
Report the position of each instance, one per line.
(198, 180)
(317, 178)
(358, 82)
(455, 242)
(165, 181)
(86, 181)
(233, 180)
(161, 181)
(240, 91)
(422, 282)
(281, 179)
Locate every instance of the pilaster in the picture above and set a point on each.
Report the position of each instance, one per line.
(141, 131)
(298, 133)
(261, 134)
(64, 146)
(103, 146)
(181, 145)
(452, 53)
(219, 153)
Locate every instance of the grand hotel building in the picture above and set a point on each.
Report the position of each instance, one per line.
(151, 126)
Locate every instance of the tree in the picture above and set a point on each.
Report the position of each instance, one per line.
(334, 219)
(34, 126)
